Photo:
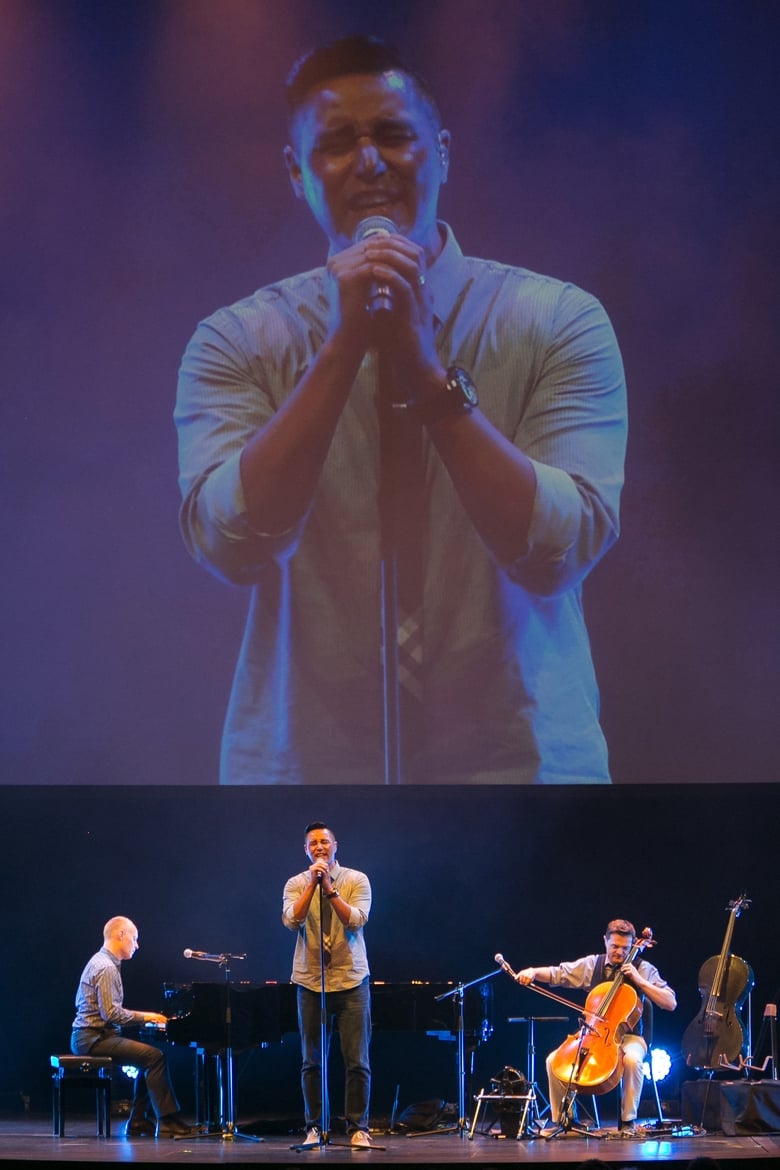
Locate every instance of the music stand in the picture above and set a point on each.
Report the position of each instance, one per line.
(229, 1131)
(533, 1118)
(457, 994)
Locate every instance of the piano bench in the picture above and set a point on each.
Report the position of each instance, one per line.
(86, 1072)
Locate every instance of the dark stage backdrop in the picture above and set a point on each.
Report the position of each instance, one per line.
(457, 875)
(628, 147)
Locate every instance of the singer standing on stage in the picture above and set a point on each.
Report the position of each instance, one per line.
(345, 897)
(514, 385)
(97, 1031)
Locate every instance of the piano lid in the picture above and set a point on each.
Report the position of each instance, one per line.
(264, 1012)
(260, 1013)
(413, 1007)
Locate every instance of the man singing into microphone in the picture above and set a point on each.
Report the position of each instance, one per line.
(510, 397)
(327, 906)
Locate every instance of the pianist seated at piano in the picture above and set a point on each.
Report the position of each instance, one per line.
(97, 1031)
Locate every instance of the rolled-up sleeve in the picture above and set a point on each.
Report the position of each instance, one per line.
(357, 892)
(578, 973)
(292, 892)
(574, 429)
(222, 400)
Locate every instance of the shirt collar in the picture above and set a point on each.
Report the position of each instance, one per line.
(447, 275)
(105, 951)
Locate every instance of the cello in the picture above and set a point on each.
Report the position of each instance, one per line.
(716, 1037)
(591, 1060)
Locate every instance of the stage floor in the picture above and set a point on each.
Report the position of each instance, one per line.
(29, 1139)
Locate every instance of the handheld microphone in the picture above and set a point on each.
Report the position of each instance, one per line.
(190, 954)
(380, 299)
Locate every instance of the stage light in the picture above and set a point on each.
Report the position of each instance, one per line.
(130, 1071)
(662, 1064)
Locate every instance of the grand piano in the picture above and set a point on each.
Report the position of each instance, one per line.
(262, 1013)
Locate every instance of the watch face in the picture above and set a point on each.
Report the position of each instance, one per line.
(461, 384)
(458, 395)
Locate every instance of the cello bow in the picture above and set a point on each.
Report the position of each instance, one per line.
(569, 1003)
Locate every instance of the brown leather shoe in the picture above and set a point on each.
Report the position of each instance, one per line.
(173, 1126)
(143, 1127)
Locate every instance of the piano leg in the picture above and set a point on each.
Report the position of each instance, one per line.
(210, 1111)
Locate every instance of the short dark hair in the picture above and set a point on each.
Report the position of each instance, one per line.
(316, 825)
(345, 56)
(620, 926)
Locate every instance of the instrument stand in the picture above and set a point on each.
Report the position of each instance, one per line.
(708, 1078)
(229, 1131)
(462, 1126)
(770, 1013)
(749, 1056)
(660, 1120)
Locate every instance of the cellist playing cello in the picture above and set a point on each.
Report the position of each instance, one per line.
(590, 971)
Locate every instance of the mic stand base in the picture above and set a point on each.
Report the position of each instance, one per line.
(567, 1124)
(228, 1133)
(322, 1144)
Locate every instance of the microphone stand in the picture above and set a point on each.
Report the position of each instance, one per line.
(324, 1054)
(457, 994)
(393, 772)
(324, 1137)
(229, 1131)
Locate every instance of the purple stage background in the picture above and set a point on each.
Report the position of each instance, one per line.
(629, 147)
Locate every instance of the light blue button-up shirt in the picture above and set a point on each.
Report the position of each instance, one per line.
(346, 965)
(509, 690)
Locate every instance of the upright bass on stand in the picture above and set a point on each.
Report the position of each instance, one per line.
(717, 1036)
